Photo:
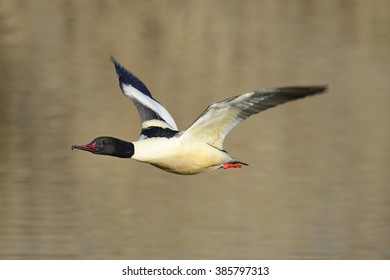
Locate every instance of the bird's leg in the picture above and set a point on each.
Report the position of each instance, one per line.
(230, 164)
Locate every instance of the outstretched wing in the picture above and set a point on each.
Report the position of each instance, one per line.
(221, 117)
(154, 117)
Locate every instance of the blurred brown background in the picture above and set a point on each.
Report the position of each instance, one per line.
(318, 182)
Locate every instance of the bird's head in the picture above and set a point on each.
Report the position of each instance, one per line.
(105, 145)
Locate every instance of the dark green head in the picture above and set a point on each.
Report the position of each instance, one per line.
(109, 146)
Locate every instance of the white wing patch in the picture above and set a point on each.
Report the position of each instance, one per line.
(221, 117)
(148, 102)
(218, 120)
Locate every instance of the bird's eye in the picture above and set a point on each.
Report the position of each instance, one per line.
(104, 142)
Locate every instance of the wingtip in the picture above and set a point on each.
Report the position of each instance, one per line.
(118, 68)
(305, 90)
(128, 78)
(322, 88)
(313, 90)
(317, 89)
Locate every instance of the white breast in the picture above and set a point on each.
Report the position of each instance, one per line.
(174, 155)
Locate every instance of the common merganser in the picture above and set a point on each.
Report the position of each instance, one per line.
(198, 148)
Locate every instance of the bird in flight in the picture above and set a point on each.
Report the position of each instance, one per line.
(199, 148)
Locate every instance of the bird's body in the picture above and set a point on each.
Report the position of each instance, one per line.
(198, 148)
(178, 156)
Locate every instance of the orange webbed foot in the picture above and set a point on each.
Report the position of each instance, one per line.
(232, 164)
